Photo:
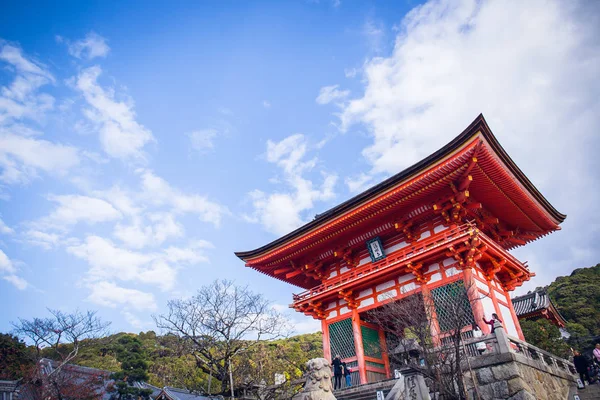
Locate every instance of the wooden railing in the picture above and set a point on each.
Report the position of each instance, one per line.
(411, 252)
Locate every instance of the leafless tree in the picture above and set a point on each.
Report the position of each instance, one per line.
(219, 324)
(64, 334)
(413, 336)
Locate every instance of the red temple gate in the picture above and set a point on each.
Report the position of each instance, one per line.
(449, 220)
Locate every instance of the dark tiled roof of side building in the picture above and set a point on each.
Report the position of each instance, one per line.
(181, 394)
(534, 303)
(531, 302)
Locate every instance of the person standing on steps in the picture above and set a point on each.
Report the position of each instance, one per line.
(347, 374)
(337, 372)
(581, 366)
(597, 354)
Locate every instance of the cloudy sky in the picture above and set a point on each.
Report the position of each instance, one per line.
(141, 146)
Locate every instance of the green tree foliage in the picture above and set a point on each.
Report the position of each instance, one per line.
(130, 352)
(169, 364)
(577, 297)
(543, 334)
(15, 359)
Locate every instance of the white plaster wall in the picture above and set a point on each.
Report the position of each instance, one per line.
(387, 295)
(508, 323)
(488, 307)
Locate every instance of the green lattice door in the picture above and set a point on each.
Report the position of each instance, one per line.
(452, 306)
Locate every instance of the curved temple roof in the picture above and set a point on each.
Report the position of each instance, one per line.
(534, 303)
(477, 128)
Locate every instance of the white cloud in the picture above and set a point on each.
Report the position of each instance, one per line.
(121, 136)
(327, 94)
(108, 294)
(306, 325)
(43, 239)
(91, 46)
(121, 199)
(8, 271)
(266, 104)
(536, 83)
(22, 157)
(203, 139)
(133, 320)
(6, 264)
(162, 226)
(351, 72)
(5, 229)
(73, 209)
(374, 32)
(282, 212)
(21, 98)
(17, 281)
(358, 183)
(110, 262)
(159, 192)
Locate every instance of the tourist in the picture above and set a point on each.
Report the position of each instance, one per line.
(480, 346)
(347, 374)
(492, 321)
(581, 366)
(597, 354)
(337, 372)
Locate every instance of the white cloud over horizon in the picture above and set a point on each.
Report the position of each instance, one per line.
(535, 83)
(120, 134)
(282, 211)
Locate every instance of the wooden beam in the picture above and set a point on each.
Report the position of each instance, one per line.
(283, 270)
(293, 274)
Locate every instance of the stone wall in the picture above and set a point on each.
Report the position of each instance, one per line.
(515, 377)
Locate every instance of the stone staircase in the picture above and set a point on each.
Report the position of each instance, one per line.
(365, 392)
(591, 392)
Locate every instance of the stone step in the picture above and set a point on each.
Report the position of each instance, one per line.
(591, 392)
(365, 392)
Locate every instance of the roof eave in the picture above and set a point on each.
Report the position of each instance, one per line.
(478, 125)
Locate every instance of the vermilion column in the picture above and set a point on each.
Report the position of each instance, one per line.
(473, 295)
(358, 344)
(494, 299)
(384, 354)
(326, 343)
(431, 314)
(513, 314)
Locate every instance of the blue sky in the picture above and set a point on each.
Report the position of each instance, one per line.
(141, 145)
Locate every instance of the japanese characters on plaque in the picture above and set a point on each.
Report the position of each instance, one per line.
(375, 249)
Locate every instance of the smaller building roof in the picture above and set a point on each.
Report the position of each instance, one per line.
(537, 303)
(172, 393)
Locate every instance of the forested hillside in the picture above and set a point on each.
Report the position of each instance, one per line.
(577, 298)
(169, 364)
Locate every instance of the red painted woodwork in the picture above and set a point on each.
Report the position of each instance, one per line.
(454, 215)
(326, 344)
(360, 353)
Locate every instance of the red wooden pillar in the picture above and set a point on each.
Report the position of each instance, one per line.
(494, 300)
(384, 354)
(326, 340)
(358, 343)
(431, 314)
(513, 315)
(473, 295)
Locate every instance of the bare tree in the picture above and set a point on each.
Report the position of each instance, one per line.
(432, 345)
(218, 324)
(64, 334)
